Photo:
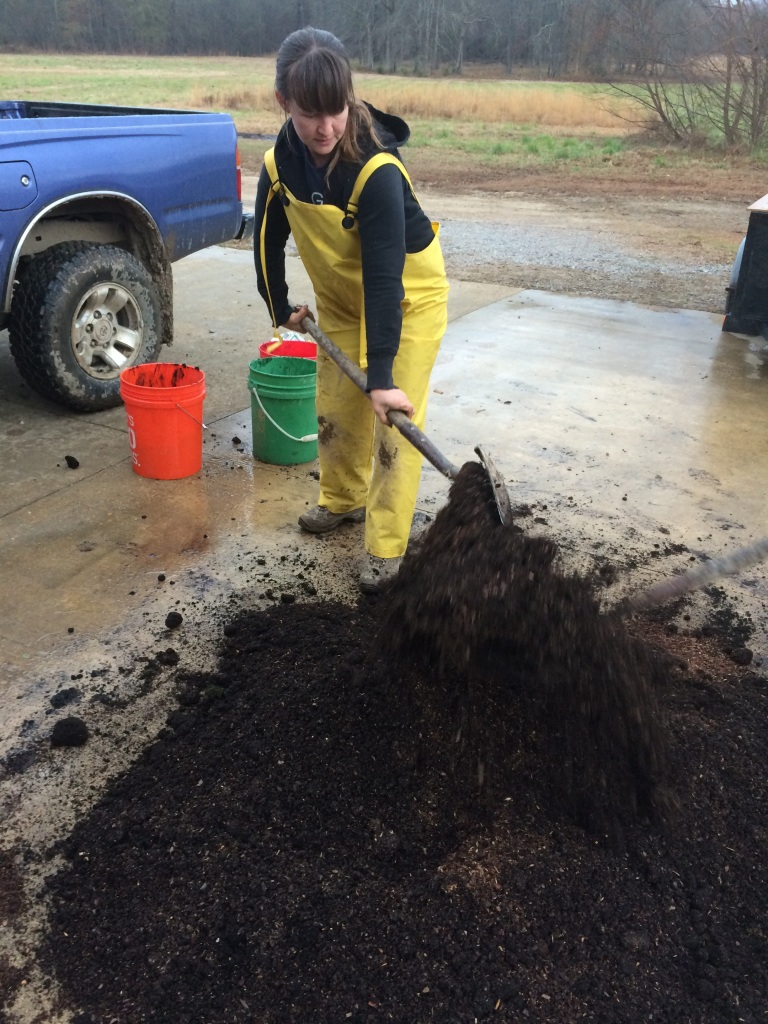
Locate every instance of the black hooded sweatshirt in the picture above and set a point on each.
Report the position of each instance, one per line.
(390, 221)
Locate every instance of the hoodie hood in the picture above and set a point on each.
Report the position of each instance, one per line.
(391, 129)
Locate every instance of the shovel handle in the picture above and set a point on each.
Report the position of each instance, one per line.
(396, 417)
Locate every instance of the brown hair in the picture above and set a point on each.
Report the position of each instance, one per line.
(313, 71)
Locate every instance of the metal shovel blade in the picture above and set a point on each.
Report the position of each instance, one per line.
(500, 492)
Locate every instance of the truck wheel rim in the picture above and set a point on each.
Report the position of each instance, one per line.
(107, 331)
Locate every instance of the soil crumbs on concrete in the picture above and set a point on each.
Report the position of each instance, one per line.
(306, 840)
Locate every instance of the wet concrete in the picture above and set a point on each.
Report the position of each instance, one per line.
(625, 428)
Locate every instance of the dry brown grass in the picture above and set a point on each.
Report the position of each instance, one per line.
(245, 87)
(259, 99)
(519, 103)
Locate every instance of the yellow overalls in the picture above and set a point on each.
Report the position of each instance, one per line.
(362, 462)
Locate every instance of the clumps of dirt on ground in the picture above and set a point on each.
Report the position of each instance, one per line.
(12, 904)
(306, 841)
(513, 658)
(290, 849)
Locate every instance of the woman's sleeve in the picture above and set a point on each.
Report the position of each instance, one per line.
(381, 223)
(271, 234)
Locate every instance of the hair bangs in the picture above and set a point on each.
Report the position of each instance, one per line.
(321, 83)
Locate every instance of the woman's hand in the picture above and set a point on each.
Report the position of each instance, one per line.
(383, 400)
(293, 323)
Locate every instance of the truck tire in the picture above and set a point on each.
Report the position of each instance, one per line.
(81, 314)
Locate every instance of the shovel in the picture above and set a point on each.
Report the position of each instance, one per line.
(641, 601)
(408, 428)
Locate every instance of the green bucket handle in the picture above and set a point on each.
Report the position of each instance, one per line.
(307, 439)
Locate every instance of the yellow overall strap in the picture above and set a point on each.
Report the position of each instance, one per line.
(269, 162)
(350, 215)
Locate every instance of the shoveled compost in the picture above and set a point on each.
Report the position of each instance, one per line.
(475, 797)
(504, 651)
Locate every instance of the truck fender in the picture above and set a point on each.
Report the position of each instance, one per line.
(110, 218)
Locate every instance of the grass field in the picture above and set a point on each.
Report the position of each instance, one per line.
(497, 124)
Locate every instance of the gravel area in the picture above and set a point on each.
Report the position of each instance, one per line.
(656, 251)
(470, 247)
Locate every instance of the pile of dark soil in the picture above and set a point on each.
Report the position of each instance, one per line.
(511, 657)
(306, 841)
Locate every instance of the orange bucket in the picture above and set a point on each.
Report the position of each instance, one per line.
(288, 347)
(164, 406)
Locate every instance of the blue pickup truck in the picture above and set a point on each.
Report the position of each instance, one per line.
(96, 203)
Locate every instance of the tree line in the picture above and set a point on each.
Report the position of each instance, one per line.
(716, 51)
(557, 38)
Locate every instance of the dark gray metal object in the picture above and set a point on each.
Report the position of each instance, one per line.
(500, 492)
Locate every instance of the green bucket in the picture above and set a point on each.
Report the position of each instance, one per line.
(283, 417)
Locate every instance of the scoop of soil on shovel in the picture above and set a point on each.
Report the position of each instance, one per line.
(514, 668)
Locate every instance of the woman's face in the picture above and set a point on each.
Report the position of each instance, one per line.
(318, 132)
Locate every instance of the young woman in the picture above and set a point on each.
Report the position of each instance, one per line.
(334, 180)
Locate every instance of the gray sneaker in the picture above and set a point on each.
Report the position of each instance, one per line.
(376, 572)
(320, 520)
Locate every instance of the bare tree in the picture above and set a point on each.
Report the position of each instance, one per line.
(433, 29)
(463, 17)
(704, 68)
(734, 83)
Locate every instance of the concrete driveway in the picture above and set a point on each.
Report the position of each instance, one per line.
(632, 433)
